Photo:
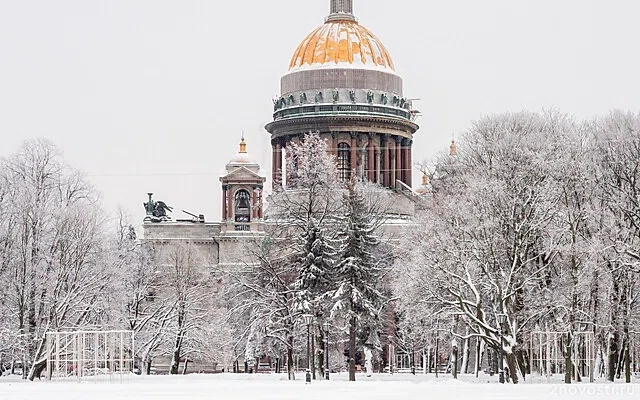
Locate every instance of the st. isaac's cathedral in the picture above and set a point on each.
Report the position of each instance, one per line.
(341, 83)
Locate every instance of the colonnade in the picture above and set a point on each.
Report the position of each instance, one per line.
(380, 158)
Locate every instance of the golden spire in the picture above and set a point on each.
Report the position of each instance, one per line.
(452, 148)
(243, 145)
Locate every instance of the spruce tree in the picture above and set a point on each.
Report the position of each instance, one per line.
(357, 274)
(315, 263)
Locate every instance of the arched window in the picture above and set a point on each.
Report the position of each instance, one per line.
(243, 206)
(344, 161)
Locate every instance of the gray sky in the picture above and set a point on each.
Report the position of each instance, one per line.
(151, 95)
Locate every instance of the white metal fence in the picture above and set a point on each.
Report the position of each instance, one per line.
(95, 354)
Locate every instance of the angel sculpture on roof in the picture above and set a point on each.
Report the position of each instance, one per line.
(156, 210)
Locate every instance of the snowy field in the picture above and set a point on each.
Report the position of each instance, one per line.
(271, 386)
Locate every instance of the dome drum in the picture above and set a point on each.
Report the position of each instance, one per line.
(340, 102)
(348, 78)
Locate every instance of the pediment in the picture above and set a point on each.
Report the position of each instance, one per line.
(243, 173)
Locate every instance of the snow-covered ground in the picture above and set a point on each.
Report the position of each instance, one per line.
(271, 386)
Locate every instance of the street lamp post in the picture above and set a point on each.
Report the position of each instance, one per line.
(326, 349)
(501, 321)
(307, 320)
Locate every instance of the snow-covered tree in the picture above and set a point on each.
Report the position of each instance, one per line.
(533, 220)
(134, 300)
(51, 237)
(184, 278)
(481, 242)
(291, 268)
(357, 298)
(616, 140)
(262, 297)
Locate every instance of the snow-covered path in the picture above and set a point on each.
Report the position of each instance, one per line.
(267, 387)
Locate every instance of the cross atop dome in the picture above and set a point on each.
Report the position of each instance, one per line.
(341, 10)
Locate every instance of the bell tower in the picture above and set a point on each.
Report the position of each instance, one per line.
(242, 199)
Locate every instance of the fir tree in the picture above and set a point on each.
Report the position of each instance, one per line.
(311, 210)
(315, 263)
(356, 297)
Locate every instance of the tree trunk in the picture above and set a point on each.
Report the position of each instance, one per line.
(614, 337)
(425, 361)
(290, 372)
(466, 352)
(435, 363)
(613, 356)
(320, 353)
(454, 362)
(352, 349)
(184, 368)
(520, 359)
(627, 363)
(175, 358)
(512, 363)
(39, 359)
(479, 346)
(31, 313)
(568, 373)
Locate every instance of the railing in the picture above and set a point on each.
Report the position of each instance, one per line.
(242, 227)
(333, 109)
(405, 189)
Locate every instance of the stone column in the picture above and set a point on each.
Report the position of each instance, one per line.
(278, 162)
(378, 168)
(274, 163)
(392, 162)
(224, 202)
(230, 204)
(372, 164)
(409, 163)
(285, 175)
(254, 205)
(334, 145)
(386, 174)
(405, 160)
(354, 155)
(399, 169)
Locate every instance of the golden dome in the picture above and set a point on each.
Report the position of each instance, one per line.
(341, 42)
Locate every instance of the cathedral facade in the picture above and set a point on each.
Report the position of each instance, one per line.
(341, 83)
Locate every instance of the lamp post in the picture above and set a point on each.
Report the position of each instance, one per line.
(307, 320)
(501, 321)
(326, 349)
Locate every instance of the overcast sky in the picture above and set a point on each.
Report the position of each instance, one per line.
(151, 95)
